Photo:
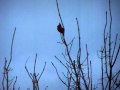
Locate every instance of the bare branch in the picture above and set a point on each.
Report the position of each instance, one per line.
(14, 83)
(59, 13)
(35, 63)
(59, 75)
(27, 69)
(116, 56)
(42, 71)
(114, 46)
(11, 48)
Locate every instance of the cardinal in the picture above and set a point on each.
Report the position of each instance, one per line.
(60, 29)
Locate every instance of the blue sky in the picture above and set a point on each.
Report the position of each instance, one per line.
(36, 22)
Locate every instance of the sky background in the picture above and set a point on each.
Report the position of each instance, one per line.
(36, 22)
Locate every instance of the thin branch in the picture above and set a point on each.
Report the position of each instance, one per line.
(59, 13)
(79, 45)
(27, 69)
(71, 44)
(35, 63)
(42, 71)
(116, 56)
(14, 83)
(59, 75)
(105, 41)
(102, 70)
(11, 48)
(91, 75)
(114, 46)
(88, 66)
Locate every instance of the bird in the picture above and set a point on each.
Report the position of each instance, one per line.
(60, 29)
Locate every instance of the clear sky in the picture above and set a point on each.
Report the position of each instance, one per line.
(36, 22)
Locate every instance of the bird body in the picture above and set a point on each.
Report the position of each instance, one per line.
(60, 29)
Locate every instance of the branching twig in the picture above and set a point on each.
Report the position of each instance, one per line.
(34, 76)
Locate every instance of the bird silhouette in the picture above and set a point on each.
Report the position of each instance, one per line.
(60, 29)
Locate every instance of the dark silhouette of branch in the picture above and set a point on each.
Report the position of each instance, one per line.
(102, 69)
(76, 76)
(42, 71)
(6, 82)
(116, 56)
(109, 57)
(4, 75)
(11, 48)
(59, 75)
(91, 76)
(35, 77)
(59, 13)
(14, 83)
(27, 70)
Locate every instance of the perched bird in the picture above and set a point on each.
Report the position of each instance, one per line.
(60, 29)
